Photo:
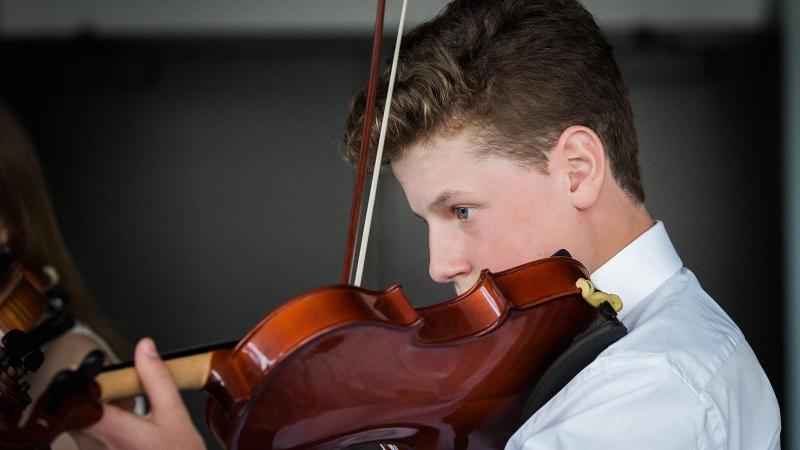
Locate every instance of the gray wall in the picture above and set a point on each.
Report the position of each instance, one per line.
(791, 111)
(155, 17)
(199, 185)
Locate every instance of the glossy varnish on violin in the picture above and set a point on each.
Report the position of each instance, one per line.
(22, 299)
(342, 365)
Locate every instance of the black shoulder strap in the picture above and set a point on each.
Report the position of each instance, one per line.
(601, 333)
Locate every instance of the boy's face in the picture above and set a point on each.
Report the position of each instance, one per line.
(483, 212)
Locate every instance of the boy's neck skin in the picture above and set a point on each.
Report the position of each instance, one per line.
(612, 225)
(489, 212)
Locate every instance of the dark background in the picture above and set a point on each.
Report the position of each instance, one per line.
(198, 182)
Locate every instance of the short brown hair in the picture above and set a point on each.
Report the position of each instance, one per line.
(519, 72)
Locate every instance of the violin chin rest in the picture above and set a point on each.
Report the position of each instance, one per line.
(599, 335)
(563, 252)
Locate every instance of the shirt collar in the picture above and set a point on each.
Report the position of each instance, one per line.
(639, 268)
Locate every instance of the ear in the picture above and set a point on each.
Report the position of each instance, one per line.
(585, 164)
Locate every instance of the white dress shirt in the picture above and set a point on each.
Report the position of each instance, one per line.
(683, 378)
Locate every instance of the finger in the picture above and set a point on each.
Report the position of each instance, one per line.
(165, 400)
(85, 441)
(113, 428)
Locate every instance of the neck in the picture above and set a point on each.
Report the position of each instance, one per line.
(189, 369)
(620, 222)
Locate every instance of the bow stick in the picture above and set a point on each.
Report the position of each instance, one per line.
(364, 148)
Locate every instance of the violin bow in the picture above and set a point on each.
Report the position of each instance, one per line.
(364, 149)
(364, 153)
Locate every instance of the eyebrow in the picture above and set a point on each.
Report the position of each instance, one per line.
(442, 198)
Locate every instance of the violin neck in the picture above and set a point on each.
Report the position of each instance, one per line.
(189, 370)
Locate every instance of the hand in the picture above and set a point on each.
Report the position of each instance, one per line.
(168, 426)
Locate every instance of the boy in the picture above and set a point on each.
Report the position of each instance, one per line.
(512, 137)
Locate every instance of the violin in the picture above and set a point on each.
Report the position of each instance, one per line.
(26, 297)
(32, 311)
(342, 366)
(17, 358)
(23, 298)
(23, 301)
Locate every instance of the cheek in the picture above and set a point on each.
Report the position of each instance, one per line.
(522, 235)
(506, 243)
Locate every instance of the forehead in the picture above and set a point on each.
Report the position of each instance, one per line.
(455, 164)
(442, 158)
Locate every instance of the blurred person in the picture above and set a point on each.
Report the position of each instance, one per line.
(30, 235)
(511, 134)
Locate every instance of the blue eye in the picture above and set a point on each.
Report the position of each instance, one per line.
(462, 212)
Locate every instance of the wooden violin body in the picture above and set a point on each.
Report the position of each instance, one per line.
(341, 366)
(23, 299)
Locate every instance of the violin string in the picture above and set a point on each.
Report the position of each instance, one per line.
(362, 251)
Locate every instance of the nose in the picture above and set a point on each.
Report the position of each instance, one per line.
(448, 259)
